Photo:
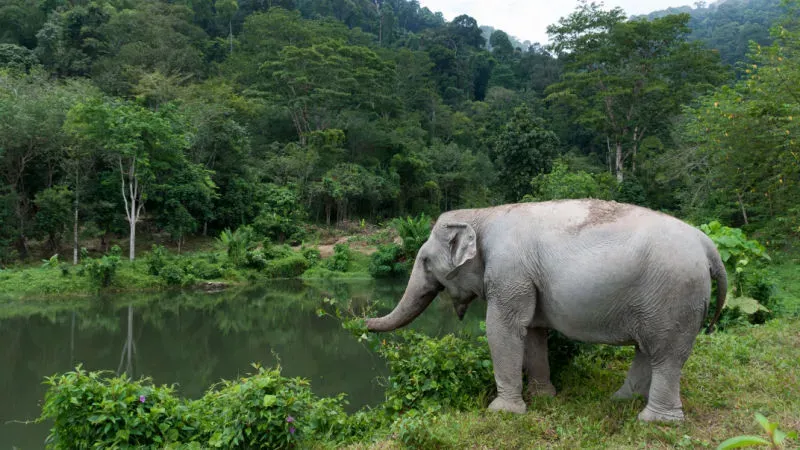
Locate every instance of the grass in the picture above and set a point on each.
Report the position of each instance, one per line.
(729, 377)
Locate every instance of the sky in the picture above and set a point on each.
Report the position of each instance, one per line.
(528, 19)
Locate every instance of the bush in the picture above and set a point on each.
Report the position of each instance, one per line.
(312, 255)
(256, 259)
(388, 261)
(172, 274)
(289, 267)
(414, 232)
(428, 374)
(751, 287)
(263, 410)
(103, 270)
(203, 269)
(340, 260)
(91, 410)
(236, 244)
(267, 410)
(156, 259)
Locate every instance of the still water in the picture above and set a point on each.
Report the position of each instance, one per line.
(194, 339)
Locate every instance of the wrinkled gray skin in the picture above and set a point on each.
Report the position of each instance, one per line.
(596, 271)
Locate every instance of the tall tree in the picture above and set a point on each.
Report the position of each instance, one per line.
(142, 144)
(625, 79)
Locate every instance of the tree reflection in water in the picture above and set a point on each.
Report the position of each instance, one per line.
(194, 339)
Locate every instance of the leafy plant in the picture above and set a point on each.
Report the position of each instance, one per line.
(751, 287)
(414, 232)
(172, 274)
(776, 437)
(51, 263)
(236, 243)
(418, 430)
(429, 373)
(102, 270)
(388, 261)
(95, 410)
(340, 260)
(156, 259)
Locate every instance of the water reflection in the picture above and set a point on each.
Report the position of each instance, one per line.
(194, 339)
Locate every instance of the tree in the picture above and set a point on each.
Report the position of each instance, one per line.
(626, 79)
(523, 150)
(743, 140)
(54, 211)
(141, 143)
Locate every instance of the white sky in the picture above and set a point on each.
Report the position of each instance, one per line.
(528, 19)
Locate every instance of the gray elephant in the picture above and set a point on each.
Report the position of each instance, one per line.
(597, 271)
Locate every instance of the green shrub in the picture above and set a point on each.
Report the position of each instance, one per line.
(340, 260)
(101, 271)
(289, 267)
(312, 255)
(203, 269)
(414, 232)
(94, 410)
(263, 410)
(156, 259)
(388, 261)
(750, 284)
(276, 251)
(236, 244)
(172, 274)
(267, 410)
(256, 259)
(429, 373)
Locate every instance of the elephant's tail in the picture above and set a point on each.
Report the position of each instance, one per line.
(718, 273)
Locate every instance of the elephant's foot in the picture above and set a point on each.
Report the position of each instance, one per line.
(650, 414)
(539, 389)
(514, 406)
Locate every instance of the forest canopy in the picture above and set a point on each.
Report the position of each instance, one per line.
(195, 117)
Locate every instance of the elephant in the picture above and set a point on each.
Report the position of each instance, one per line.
(597, 271)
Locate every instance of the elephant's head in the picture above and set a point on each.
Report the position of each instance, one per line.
(449, 260)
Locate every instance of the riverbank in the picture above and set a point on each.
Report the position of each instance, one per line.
(207, 269)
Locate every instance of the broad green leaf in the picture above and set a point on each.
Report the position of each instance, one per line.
(269, 400)
(742, 441)
(747, 305)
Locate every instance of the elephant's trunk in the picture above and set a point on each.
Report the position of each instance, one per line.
(405, 312)
(416, 298)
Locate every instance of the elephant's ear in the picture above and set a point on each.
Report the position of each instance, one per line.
(462, 244)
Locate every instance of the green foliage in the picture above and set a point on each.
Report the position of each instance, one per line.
(776, 437)
(388, 261)
(156, 259)
(236, 244)
(172, 274)
(291, 266)
(341, 258)
(429, 374)
(413, 231)
(263, 410)
(751, 287)
(311, 254)
(561, 183)
(91, 409)
(419, 430)
(281, 215)
(267, 410)
(54, 214)
(103, 270)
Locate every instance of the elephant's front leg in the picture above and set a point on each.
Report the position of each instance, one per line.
(537, 366)
(506, 334)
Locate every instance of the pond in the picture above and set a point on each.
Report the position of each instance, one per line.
(194, 339)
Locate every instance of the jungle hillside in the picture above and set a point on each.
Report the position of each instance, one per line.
(184, 119)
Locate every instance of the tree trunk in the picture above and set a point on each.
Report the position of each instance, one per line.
(230, 33)
(741, 205)
(75, 233)
(132, 250)
(618, 163)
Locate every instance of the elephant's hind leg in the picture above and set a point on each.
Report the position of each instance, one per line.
(537, 366)
(638, 379)
(664, 401)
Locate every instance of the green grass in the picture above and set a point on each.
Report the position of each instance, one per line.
(729, 377)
